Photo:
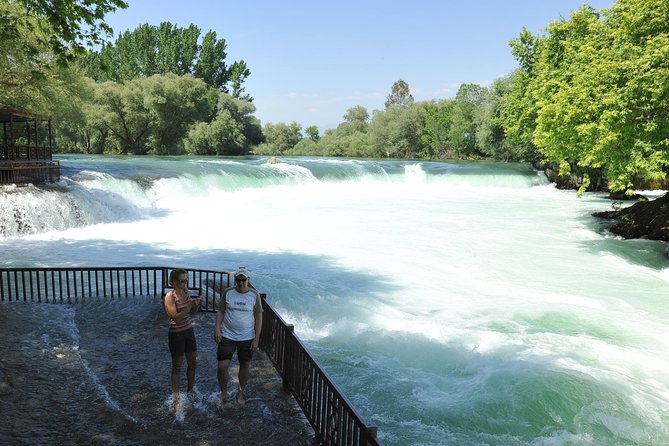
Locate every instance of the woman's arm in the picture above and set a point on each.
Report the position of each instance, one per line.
(171, 308)
(196, 305)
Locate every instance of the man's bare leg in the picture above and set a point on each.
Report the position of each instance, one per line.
(244, 372)
(223, 378)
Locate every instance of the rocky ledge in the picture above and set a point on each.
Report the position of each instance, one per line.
(643, 220)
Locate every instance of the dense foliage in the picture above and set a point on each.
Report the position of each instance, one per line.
(589, 99)
(592, 93)
(164, 49)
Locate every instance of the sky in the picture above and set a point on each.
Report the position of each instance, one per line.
(312, 60)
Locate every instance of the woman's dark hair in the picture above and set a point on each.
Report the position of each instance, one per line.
(174, 275)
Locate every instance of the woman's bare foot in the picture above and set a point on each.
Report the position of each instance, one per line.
(240, 397)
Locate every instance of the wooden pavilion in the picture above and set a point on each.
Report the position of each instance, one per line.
(26, 148)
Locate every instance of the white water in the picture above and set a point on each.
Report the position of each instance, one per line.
(468, 304)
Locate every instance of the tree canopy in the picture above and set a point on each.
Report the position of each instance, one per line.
(593, 96)
(167, 48)
(65, 27)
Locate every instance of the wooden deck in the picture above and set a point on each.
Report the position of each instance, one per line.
(26, 148)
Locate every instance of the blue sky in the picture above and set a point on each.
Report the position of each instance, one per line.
(311, 60)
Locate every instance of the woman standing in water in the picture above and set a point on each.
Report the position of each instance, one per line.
(181, 337)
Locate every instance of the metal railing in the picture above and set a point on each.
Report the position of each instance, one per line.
(80, 285)
(333, 418)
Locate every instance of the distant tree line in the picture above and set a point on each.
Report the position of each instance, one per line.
(590, 98)
(466, 127)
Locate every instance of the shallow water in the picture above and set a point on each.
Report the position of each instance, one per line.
(98, 373)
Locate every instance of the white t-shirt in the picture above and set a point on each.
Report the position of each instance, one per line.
(239, 317)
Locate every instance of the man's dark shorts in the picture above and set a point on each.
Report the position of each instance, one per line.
(227, 347)
(182, 342)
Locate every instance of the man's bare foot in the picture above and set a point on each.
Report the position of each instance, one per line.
(240, 397)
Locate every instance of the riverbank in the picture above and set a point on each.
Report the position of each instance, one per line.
(643, 220)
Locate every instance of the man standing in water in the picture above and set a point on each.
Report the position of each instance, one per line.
(240, 314)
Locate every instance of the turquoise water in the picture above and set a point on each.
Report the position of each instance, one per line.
(453, 303)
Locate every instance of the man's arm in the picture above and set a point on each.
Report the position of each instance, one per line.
(258, 329)
(219, 318)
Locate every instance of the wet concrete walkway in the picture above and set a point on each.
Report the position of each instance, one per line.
(270, 416)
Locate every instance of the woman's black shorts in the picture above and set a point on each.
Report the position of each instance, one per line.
(182, 342)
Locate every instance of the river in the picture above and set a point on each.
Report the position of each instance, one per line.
(464, 303)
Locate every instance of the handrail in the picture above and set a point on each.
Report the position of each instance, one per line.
(333, 418)
(330, 413)
(75, 285)
(29, 171)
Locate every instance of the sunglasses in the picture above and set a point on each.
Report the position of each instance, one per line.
(241, 279)
(183, 281)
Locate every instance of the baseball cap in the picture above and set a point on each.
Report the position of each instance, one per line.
(242, 271)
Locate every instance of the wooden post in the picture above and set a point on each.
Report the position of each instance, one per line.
(36, 140)
(49, 156)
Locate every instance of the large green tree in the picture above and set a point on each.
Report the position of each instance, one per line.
(397, 131)
(143, 116)
(66, 27)
(462, 132)
(436, 135)
(166, 48)
(37, 41)
(598, 82)
(490, 137)
(234, 130)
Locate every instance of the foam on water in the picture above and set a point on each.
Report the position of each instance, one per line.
(454, 304)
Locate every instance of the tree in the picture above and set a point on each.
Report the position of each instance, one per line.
(312, 133)
(490, 137)
(602, 98)
(36, 46)
(518, 113)
(399, 95)
(211, 66)
(462, 133)
(397, 132)
(163, 49)
(234, 130)
(357, 119)
(238, 74)
(66, 27)
(279, 138)
(176, 103)
(125, 116)
(438, 119)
